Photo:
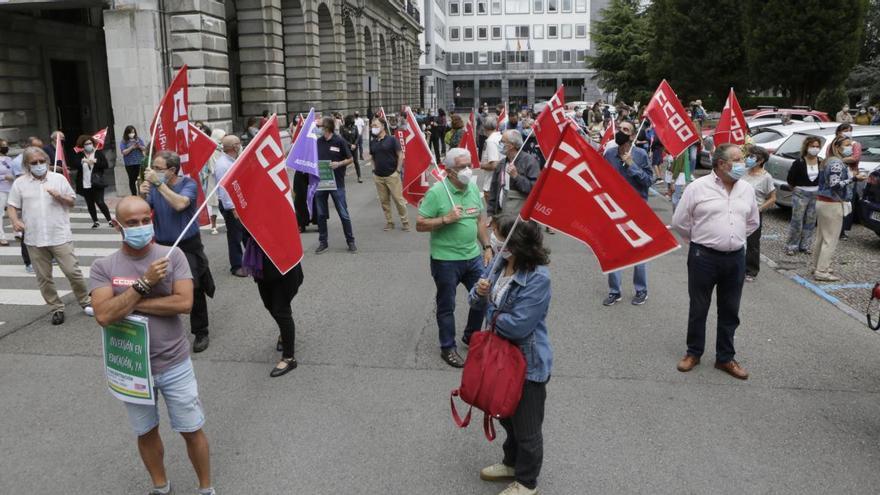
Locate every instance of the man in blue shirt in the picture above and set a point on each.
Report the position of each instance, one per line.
(173, 200)
(336, 150)
(234, 230)
(632, 163)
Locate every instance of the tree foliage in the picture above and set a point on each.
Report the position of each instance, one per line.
(871, 37)
(621, 41)
(864, 80)
(696, 53)
(802, 47)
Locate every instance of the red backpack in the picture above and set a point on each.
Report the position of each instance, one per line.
(492, 379)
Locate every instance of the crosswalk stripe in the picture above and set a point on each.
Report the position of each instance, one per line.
(19, 271)
(80, 252)
(21, 297)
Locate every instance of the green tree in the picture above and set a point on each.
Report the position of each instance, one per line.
(802, 47)
(698, 47)
(871, 43)
(864, 80)
(621, 42)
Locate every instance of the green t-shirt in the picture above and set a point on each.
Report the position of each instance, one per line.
(456, 241)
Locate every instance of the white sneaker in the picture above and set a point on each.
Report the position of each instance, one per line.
(516, 489)
(89, 310)
(214, 232)
(497, 472)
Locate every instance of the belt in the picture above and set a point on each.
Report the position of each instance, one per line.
(715, 251)
(826, 199)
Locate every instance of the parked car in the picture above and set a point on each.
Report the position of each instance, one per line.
(790, 150)
(767, 133)
(871, 202)
(797, 113)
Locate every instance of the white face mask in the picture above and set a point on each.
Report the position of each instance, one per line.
(813, 151)
(495, 242)
(131, 135)
(465, 176)
(506, 254)
(374, 131)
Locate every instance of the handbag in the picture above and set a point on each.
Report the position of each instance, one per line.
(492, 379)
(98, 180)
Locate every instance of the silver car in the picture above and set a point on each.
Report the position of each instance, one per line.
(768, 133)
(790, 150)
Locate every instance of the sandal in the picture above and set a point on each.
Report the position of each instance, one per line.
(289, 365)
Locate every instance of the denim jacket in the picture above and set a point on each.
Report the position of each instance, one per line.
(522, 318)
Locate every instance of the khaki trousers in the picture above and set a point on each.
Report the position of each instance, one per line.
(41, 260)
(829, 220)
(391, 188)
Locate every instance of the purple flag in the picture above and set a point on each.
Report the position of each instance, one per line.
(303, 156)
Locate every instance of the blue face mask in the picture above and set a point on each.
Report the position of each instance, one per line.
(751, 162)
(738, 171)
(39, 170)
(138, 237)
(501, 147)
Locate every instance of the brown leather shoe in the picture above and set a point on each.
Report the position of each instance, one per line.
(733, 369)
(688, 362)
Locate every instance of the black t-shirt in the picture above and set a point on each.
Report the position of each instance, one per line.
(384, 153)
(334, 149)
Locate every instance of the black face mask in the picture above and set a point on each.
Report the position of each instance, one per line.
(621, 138)
(4, 149)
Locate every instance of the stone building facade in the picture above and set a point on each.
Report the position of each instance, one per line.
(81, 65)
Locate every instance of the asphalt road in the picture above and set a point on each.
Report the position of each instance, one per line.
(367, 410)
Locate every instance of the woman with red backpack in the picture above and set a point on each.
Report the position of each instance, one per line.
(516, 297)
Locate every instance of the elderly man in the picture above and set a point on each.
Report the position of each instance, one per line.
(231, 146)
(154, 281)
(491, 152)
(39, 205)
(507, 196)
(173, 200)
(633, 164)
(460, 249)
(716, 214)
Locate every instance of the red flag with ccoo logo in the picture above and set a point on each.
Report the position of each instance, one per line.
(732, 126)
(672, 125)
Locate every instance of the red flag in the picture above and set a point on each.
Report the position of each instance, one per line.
(259, 187)
(732, 125)
(672, 125)
(201, 147)
(502, 117)
(607, 136)
(59, 157)
(416, 155)
(172, 120)
(582, 195)
(469, 141)
(99, 138)
(548, 125)
(414, 193)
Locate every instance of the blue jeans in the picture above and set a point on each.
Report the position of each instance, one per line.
(178, 386)
(447, 275)
(323, 211)
(640, 279)
(234, 238)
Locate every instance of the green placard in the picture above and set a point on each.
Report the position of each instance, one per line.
(327, 180)
(127, 360)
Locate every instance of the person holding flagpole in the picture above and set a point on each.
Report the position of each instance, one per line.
(173, 200)
(513, 179)
(633, 164)
(452, 211)
(336, 150)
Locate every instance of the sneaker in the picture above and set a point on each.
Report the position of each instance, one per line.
(29, 268)
(214, 231)
(58, 317)
(89, 310)
(321, 248)
(95, 225)
(611, 299)
(825, 277)
(750, 278)
(200, 343)
(497, 472)
(162, 490)
(405, 228)
(388, 227)
(516, 489)
(843, 237)
(352, 248)
(640, 298)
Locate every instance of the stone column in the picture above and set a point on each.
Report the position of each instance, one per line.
(530, 90)
(261, 58)
(198, 39)
(477, 103)
(505, 91)
(302, 63)
(356, 66)
(333, 94)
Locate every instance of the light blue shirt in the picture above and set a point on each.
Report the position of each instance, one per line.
(221, 166)
(16, 165)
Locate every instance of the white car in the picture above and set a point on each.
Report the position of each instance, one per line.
(767, 133)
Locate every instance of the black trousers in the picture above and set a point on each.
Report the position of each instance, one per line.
(132, 171)
(95, 196)
(710, 270)
(357, 163)
(524, 446)
(277, 295)
(753, 250)
(24, 253)
(203, 282)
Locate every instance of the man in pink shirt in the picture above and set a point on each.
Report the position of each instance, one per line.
(716, 214)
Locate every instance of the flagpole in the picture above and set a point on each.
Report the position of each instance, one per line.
(193, 219)
(443, 181)
(152, 141)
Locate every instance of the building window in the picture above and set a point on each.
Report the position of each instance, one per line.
(496, 7)
(566, 5)
(566, 56)
(469, 58)
(482, 33)
(552, 6)
(538, 6)
(552, 31)
(581, 56)
(468, 7)
(482, 7)
(483, 58)
(538, 31)
(517, 6)
(453, 7)
(496, 32)
(517, 56)
(455, 58)
(566, 30)
(580, 30)
(468, 33)
(496, 57)
(517, 32)
(580, 5)
(454, 33)
(551, 57)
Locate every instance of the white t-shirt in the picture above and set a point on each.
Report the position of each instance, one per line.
(87, 168)
(490, 154)
(359, 123)
(46, 220)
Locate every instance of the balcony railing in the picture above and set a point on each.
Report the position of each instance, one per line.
(413, 11)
